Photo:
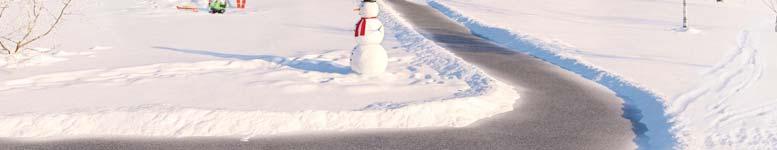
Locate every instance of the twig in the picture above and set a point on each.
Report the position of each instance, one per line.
(35, 15)
(5, 48)
(29, 36)
(772, 4)
(51, 28)
(3, 7)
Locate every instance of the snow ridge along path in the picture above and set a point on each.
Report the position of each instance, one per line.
(486, 97)
(644, 107)
(483, 97)
(559, 110)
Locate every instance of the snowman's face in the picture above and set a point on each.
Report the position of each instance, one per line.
(369, 9)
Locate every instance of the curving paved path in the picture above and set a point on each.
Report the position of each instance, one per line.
(557, 109)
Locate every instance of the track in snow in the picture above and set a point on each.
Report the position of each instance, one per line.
(722, 84)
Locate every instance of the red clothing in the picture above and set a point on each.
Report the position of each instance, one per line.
(241, 3)
(361, 26)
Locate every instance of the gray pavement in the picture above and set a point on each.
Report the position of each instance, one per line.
(557, 109)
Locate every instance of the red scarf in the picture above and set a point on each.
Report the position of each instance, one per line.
(361, 26)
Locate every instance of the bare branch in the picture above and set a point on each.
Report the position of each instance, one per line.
(12, 31)
(61, 14)
(35, 15)
(25, 33)
(5, 48)
(5, 38)
(3, 7)
(771, 4)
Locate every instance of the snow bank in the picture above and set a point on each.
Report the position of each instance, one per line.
(160, 120)
(644, 107)
(710, 87)
(485, 97)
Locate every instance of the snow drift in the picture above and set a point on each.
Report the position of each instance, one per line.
(483, 98)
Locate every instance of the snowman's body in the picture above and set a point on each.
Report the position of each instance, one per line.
(369, 57)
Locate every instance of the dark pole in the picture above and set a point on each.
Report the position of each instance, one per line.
(685, 14)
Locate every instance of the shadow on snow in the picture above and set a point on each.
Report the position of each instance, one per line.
(302, 64)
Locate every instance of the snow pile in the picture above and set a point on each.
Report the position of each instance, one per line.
(703, 88)
(484, 98)
(160, 120)
(184, 92)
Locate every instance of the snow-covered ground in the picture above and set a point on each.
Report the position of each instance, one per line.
(714, 82)
(143, 68)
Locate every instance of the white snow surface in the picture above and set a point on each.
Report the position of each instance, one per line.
(143, 68)
(715, 80)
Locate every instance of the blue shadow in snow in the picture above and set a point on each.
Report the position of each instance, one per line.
(642, 107)
(302, 64)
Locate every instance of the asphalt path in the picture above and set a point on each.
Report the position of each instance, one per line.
(557, 109)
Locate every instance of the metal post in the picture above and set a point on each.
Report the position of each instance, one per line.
(685, 15)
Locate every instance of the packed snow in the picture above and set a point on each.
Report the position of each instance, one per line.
(143, 68)
(713, 82)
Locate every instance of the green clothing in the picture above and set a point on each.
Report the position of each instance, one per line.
(218, 5)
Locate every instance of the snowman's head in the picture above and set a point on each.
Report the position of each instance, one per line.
(369, 9)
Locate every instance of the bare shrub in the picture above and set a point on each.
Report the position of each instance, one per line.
(772, 4)
(32, 21)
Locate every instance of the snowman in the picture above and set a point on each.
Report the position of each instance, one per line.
(369, 29)
(369, 57)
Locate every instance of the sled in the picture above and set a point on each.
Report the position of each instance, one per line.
(188, 7)
(193, 9)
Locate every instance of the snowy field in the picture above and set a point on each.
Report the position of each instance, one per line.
(143, 68)
(715, 82)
